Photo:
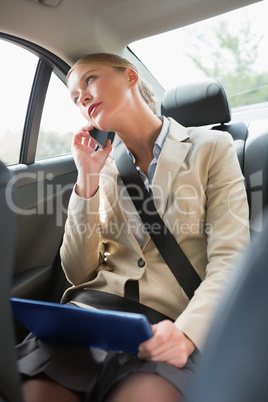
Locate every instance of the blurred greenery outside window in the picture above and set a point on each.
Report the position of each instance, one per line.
(17, 70)
(60, 120)
(231, 47)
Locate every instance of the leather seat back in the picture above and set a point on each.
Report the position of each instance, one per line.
(205, 103)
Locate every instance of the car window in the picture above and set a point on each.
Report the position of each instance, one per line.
(60, 120)
(17, 69)
(231, 47)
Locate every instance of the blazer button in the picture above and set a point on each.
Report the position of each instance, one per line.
(141, 263)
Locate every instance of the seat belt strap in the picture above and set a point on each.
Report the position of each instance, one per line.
(163, 239)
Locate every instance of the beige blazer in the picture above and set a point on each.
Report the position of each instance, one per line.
(199, 191)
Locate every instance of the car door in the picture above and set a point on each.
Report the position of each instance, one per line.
(35, 142)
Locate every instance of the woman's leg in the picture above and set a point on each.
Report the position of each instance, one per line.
(144, 387)
(42, 389)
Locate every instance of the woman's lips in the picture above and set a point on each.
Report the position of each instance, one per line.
(92, 108)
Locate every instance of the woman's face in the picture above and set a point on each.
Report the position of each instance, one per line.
(101, 93)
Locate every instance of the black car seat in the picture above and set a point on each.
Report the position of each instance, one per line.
(256, 176)
(234, 364)
(9, 379)
(204, 103)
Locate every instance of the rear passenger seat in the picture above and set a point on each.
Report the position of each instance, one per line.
(205, 103)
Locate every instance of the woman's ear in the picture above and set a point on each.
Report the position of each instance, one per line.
(132, 76)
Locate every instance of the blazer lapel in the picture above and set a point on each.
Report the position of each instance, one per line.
(170, 161)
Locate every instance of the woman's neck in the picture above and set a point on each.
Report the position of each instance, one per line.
(139, 137)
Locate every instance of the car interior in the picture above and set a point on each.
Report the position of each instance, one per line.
(39, 41)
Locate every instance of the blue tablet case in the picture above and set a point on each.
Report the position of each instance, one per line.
(71, 325)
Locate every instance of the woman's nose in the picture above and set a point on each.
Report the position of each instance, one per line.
(85, 98)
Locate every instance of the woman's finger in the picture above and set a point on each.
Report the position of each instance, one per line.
(162, 331)
(91, 144)
(78, 137)
(88, 127)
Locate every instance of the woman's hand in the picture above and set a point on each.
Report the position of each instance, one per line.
(168, 345)
(88, 162)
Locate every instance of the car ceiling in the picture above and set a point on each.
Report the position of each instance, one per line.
(77, 27)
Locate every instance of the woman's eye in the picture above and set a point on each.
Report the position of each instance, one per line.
(90, 78)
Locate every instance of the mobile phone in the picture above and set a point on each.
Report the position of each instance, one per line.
(101, 137)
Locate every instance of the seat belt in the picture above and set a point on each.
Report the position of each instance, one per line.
(163, 239)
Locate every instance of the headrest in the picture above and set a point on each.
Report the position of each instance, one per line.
(197, 104)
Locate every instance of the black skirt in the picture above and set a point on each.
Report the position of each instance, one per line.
(94, 371)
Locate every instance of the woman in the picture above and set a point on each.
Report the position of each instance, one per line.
(192, 174)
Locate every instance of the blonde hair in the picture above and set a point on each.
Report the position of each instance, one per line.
(121, 64)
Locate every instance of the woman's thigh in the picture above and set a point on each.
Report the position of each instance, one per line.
(42, 389)
(138, 380)
(144, 387)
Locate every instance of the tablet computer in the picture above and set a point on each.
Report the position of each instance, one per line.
(67, 324)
